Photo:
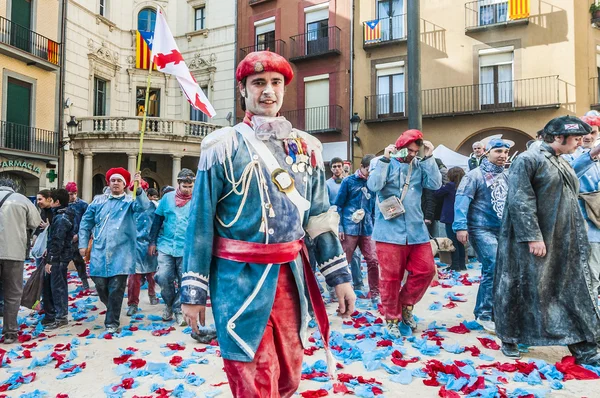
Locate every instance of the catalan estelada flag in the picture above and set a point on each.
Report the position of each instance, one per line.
(372, 31)
(518, 9)
(143, 49)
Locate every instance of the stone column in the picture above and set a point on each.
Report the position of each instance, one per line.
(131, 163)
(86, 181)
(176, 169)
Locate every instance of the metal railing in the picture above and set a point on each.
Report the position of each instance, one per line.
(28, 139)
(485, 12)
(316, 42)
(276, 46)
(594, 93)
(509, 95)
(27, 40)
(154, 125)
(316, 120)
(379, 31)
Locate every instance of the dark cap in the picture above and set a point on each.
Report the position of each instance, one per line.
(567, 125)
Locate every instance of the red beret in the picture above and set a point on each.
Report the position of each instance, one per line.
(591, 120)
(121, 171)
(71, 187)
(408, 137)
(264, 61)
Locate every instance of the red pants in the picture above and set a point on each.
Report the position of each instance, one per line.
(394, 261)
(277, 365)
(134, 283)
(367, 247)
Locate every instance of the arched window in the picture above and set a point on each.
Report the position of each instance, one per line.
(146, 20)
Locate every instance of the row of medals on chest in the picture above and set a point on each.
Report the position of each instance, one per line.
(298, 156)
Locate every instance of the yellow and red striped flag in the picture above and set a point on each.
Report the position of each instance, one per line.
(53, 52)
(518, 9)
(372, 31)
(143, 49)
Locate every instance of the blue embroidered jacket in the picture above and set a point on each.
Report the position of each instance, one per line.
(387, 178)
(111, 221)
(242, 294)
(352, 196)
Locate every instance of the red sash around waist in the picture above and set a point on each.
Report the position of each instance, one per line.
(256, 253)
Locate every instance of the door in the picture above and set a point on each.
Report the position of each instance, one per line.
(18, 115)
(391, 19)
(317, 37)
(20, 16)
(316, 96)
(390, 95)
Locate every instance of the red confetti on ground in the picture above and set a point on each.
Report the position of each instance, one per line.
(313, 374)
(102, 312)
(122, 359)
(31, 345)
(448, 394)
(314, 393)
(59, 395)
(475, 352)
(310, 350)
(488, 343)
(220, 384)
(62, 347)
(137, 363)
(451, 304)
(85, 333)
(24, 338)
(478, 385)
(573, 371)
(108, 336)
(175, 346)
(203, 349)
(384, 343)
(460, 329)
(340, 388)
(26, 354)
(162, 332)
(176, 360)
(59, 358)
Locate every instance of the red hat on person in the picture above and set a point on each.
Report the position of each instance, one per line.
(408, 137)
(71, 187)
(591, 120)
(264, 61)
(120, 173)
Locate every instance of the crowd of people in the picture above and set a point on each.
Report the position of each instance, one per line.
(260, 217)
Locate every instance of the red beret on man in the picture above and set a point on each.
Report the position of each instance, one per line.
(408, 137)
(71, 187)
(119, 173)
(264, 61)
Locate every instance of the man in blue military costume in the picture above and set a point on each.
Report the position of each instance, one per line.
(110, 220)
(260, 186)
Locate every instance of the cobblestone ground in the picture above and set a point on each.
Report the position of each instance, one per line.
(151, 358)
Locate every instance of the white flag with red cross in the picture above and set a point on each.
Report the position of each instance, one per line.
(168, 59)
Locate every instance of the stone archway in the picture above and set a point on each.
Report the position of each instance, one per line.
(519, 137)
(98, 184)
(27, 183)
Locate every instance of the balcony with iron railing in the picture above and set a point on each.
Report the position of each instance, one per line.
(17, 137)
(321, 119)
(383, 31)
(28, 46)
(594, 94)
(487, 14)
(513, 95)
(154, 126)
(315, 44)
(276, 46)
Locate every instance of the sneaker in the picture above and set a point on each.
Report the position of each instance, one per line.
(47, 321)
(206, 336)
(167, 314)
(10, 338)
(112, 329)
(132, 310)
(179, 319)
(59, 323)
(408, 318)
(489, 326)
(393, 329)
(154, 300)
(511, 350)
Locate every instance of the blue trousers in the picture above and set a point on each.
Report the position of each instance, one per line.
(458, 255)
(55, 293)
(357, 279)
(168, 273)
(485, 244)
(111, 292)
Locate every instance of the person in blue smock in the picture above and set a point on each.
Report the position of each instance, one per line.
(478, 209)
(589, 181)
(401, 238)
(260, 187)
(110, 220)
(145, 262)
(79, 207)
(168, 237)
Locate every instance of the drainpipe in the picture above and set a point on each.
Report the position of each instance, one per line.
(235, 63)
(350, 137)
(61, 93)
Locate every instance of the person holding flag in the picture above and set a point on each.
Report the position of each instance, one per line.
(260, 187)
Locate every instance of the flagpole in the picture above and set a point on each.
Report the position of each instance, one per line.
(139, 159)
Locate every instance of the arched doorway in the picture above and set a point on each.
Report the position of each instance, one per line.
(27, 184)
(152, 183)
(98, 184)
(519, 137)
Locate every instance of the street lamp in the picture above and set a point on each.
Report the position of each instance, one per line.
(355, 124)
(72, 126)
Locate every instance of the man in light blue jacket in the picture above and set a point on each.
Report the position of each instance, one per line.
(402, 240)
(168, 234)
(110, 220)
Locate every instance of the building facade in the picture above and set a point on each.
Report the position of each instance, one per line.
(484, 71)
(30, 69)
(314, 35)
(107, 68)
